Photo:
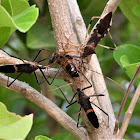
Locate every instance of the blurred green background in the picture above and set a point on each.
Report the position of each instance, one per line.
(125, 30)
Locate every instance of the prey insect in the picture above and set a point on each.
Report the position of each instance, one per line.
(65, 61)
(26, 67)
(85, 103)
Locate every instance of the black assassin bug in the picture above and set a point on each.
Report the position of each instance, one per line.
(26, 67)
(85, 103)
(99, 32)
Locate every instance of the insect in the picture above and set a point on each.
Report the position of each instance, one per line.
(26, 67)
(65, 61)
(85, 103)
(99, 32)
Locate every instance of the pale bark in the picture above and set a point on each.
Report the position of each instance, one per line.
(64, 25)
(68, 23)
(40, 100)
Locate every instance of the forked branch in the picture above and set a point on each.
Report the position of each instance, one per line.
(46, 104)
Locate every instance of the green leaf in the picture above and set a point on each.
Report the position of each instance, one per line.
(22, 21)
(136, 10)
(128, 57)
(5, 32)
(13, 126)
(5, 19)
(42, 138)
(7, 5)
(39, 36)
(131, 51)
(128, 7)
(26, 19)
(124, 61)
(7, 26)
(15, 7)
(19, 6)
(131, 68)
(65, 135)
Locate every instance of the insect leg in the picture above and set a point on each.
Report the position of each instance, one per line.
(43, 59)
(78, 117)
(94, 17)
(63, 94)
(110, 48)
(71, 104)
(8, 85)
(88, 81)
(97, 95)
(66, 97)
(46, 78)
(101, 110)
(112, 40)
(39, 53)
(39, 83)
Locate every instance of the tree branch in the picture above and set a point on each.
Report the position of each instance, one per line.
(129, 112)
(124, 99)
(60, 14)
(49, 72)
(63, 27)
(46, 104)
(98, 79)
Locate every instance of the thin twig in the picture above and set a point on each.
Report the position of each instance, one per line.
(124, 100)
(46, 104)
(129, 112)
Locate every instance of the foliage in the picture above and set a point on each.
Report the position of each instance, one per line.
(42, 138)
(15, 18)
(11, 123)
(15, 15)
(131, 10)
(127, 56)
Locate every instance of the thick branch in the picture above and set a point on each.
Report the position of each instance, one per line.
(46, 104)
(59, 13)
(98, 80)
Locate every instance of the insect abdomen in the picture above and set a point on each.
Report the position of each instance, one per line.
(8, 68)
(71, 69)
(92, 118)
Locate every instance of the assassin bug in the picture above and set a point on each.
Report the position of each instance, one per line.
(85, 103)
(26, 67)
(99, 32)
